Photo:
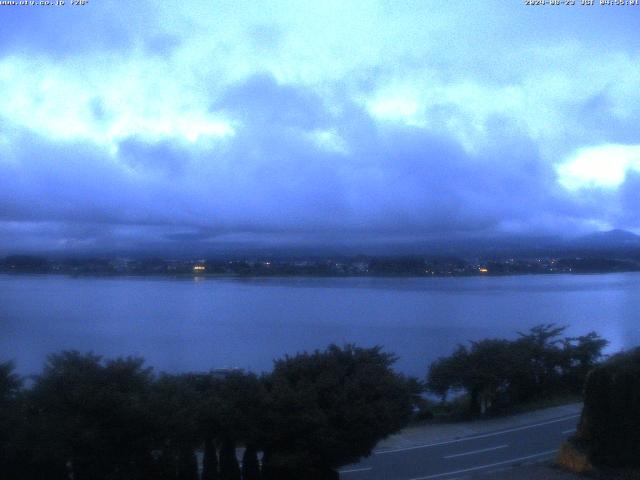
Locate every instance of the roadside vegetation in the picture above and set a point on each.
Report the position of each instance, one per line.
(609, 430)
(85, 417)
(497, 375)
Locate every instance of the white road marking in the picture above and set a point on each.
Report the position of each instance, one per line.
(489, 465)
(475, 437)
(476, 451)
(571, 430)
(353, 470)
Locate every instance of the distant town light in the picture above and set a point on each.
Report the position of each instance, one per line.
(199, 268)
(483, 270)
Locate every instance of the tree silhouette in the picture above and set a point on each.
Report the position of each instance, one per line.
(210, 460)
(330, 408)
(91, 415)
(10, 413)
(174, 406)
(610, 423)
(241, 400)
(507, 372)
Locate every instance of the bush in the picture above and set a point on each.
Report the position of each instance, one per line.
(330, 408)
(94, 419)
(610, 422)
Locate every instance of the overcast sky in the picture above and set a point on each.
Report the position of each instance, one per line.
(127, 124)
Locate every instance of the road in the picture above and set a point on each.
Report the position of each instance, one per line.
(461, 457)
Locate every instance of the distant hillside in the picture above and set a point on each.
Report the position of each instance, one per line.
(610, 240)
(613, 244)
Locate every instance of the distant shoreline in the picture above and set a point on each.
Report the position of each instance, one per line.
(322, 267)
(221, 276)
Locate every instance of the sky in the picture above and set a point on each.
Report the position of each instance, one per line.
(191, 125)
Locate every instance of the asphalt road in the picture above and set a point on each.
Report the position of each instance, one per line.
(461, 457)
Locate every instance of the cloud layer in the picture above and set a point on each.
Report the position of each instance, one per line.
(219, 123)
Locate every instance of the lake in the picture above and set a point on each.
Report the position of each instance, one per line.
(204, 323)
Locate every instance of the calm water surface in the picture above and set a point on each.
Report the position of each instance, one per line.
(198, 324)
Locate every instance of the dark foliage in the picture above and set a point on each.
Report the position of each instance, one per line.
(229, 468)
(210, 460)
(89, 418)
(498, 373)
(250, 464)
(610, 423)
(330, 408)
(9, 418)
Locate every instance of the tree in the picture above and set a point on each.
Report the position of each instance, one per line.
(210, 460)
(10, 383)
(330, 408)
(10, 424)
(175, 406)
(229, 468)
(487, 373)
(208, 419)
(91, 416)
(483, 370)
(241, 403)
(538, 361)
(497, 372)
(581, 355)
(445, 374)
(250, 464)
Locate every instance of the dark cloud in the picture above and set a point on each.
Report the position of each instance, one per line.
(629, 195)
(597, 115)
(307, 161)
(75, 182)
(273, 177)
(152, 157)
(261, 100)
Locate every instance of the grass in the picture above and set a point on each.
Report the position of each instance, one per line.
(547, 402)
(457, 409)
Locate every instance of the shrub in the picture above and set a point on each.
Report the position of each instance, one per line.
(610, 423)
